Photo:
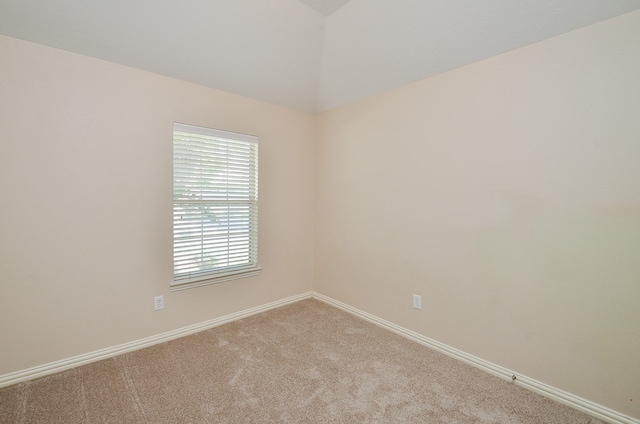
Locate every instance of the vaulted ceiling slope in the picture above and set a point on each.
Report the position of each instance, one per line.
(289, 53)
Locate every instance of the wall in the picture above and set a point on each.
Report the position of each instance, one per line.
(86, 216)
(507, 194)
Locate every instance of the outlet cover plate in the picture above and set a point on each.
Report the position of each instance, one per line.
(158, 303)
(417, 301)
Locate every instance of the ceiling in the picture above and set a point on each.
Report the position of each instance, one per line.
(325, 7)
(311, 55)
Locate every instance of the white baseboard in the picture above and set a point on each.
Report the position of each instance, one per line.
(576, 402)
(57, 366)
(591, 408)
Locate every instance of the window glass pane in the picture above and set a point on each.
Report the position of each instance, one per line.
(215, 202)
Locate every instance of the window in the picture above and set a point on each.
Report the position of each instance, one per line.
(215, 206)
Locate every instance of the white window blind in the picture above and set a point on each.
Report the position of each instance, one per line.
(215, 205)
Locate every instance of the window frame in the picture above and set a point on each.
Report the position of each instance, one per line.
(209, 195)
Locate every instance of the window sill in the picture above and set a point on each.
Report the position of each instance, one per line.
(214, 278)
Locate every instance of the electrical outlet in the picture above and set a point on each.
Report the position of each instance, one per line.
(158, 303)
(417, 301)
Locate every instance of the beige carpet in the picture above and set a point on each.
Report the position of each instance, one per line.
(303, 363)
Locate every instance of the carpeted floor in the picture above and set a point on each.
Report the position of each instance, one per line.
(303, 363)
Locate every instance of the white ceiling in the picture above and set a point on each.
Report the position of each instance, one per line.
(326, 7)
(281, 51)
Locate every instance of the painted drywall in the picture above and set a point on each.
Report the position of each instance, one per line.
(86, 188)
(507, 194)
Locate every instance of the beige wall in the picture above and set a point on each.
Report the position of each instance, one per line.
(85, 186)
(507, 194)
